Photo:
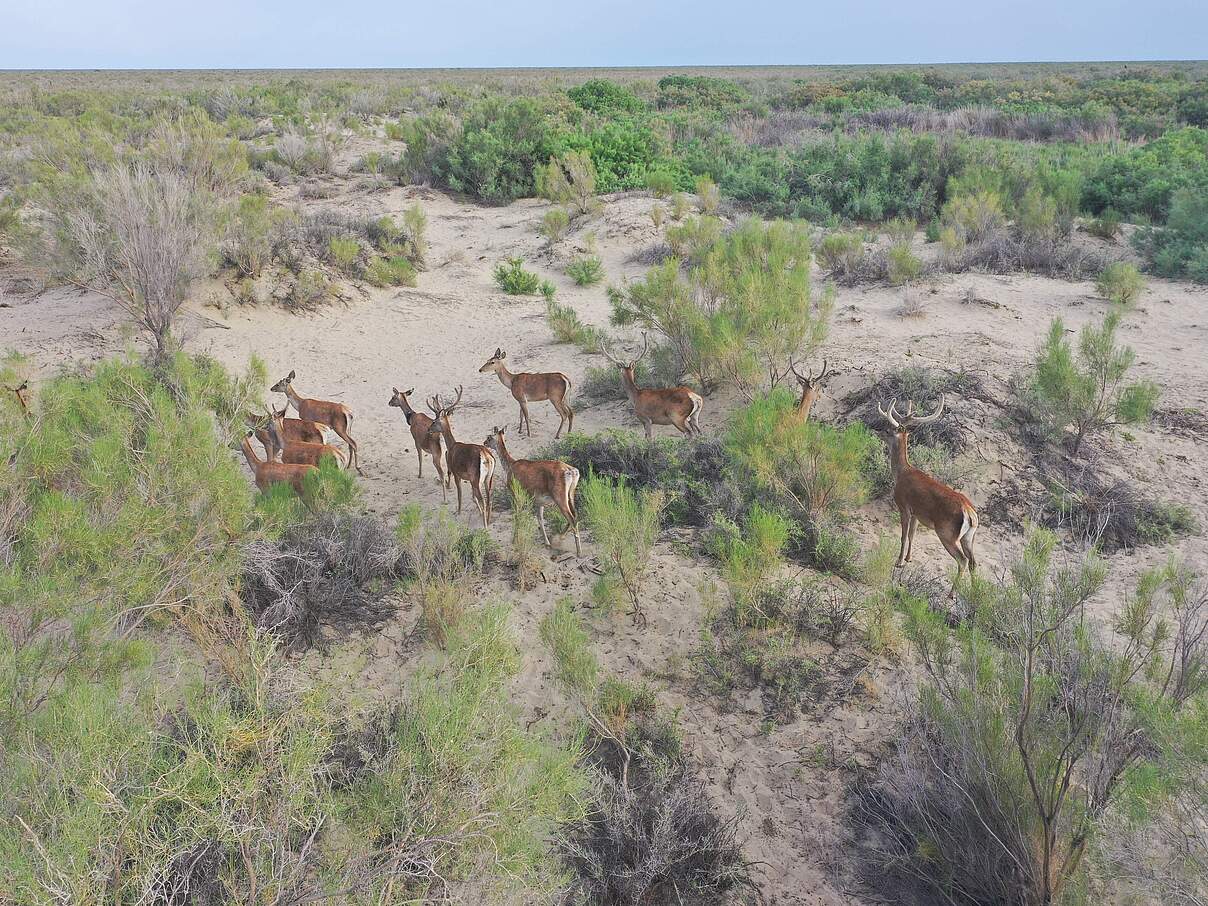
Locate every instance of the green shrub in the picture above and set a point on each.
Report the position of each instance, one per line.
(397, 271)
(841, 253)
(1120, 283)
(310, 291)
(554, 224)
(564, 322)
(679, 206)
(513, 279)
(1144, 180)
(708, 195)
(1180, 249)
(624, 523)
(691, 240)
(345, 255)
(501, 145)
(415, 222)
(251, 235)
(904, 265)
(661, 183)
(976, 796)
(586, 271)
(1106, 225)
(604, 96)
(933, 230)
(975, 216)
(1087, 393)
(570, 180)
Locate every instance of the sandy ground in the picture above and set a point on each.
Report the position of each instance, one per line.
(787, 782)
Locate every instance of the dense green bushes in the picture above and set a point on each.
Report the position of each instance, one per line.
(1180, 249)
(1142, 182)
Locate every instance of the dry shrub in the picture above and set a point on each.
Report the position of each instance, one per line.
(661, 842)
(333, 570)
(924, 387)
(998, 252)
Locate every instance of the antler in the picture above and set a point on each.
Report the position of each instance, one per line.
(927, 419)
(808, 379)
(453, 405)
(604, 350)
(890, 416)
(434, 405)
(645, 349)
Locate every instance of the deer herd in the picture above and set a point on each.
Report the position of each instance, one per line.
(294, 446)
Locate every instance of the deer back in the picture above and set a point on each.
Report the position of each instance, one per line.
(934, 503)
(664, 405)
(302, 452)
(538, 386)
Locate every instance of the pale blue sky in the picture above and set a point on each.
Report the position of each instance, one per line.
(78, 34)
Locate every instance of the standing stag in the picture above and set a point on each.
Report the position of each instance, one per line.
(433, 445)
(297, 452)
(536, 386)
(678, 406)
(811, 389)
(472, 463)
(336, 416)
(547, 481)
(269, 473)
(920, 498)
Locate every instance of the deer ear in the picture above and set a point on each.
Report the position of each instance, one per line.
(409, 392)
(503, 355)
(291, 376)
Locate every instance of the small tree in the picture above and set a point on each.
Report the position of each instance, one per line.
(138, 233)
(570, 180)
(625, 524)
(1032, 726)
(1120, 283)
(554, 224)
(1087, 392)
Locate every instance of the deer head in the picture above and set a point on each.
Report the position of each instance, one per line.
(904, 424)
(399, 400)
(282, 384)
(441, 412)
(493, 363)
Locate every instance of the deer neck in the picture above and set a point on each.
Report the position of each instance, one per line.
(898, 453)
(408, 412)
(806, 403)
(292, 395)
(631, 387)
(249, 454)
(502, 450)
(446, 431)
(505, 376)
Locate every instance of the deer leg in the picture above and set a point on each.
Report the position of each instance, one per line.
(570, 418)
(353, 460)
(419, 454)
(649, 432)
(457, 481)
(541, 522)
(524, 418)
(951, 546)
(441, 479)
(914, 524)
(905, 519)
(967, 550)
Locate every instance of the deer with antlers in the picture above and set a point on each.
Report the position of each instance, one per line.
(921, 498)
(471, 463)
(268, 472)
(547, 481)
(677, 406)
(536, 387)
(419, 423)
(811, 389)
(336, 416)
(296, 452)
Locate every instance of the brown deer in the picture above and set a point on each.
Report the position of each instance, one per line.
(678, 406)
(296, 430)
(811, 389)
(471, 463)
(336, 416)
(269, 473)
(297, 452)
(547, 481)
(424, 442)
(920, 498)
(535, 386)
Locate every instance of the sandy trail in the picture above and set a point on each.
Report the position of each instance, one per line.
(787, 781)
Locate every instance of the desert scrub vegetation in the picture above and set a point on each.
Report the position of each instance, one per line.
(513, 279)
(570, 180)
(745, 311)
(567, 327)
(651, 831)
(1033, 727)
(124, 513)
(624, 522)
(554, 224)
(1180, 248)
(586, 271)
(1086, 392)
(1120, 283)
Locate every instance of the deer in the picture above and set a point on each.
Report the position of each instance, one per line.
(677, 406)
(471, 463)
(296, 430)
(535, 386)
(921, 498)
(296, 452)
(336, 416)
(424, 442)
(811, 389)
(547, 481)
(268, 472)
